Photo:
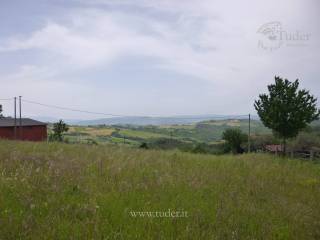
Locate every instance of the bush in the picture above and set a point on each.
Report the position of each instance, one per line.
(167, 144)
(219, 148)
(144, 145)
(91, 141)
(234, 138)
(258, 142)
(200, 148)
(305, 141)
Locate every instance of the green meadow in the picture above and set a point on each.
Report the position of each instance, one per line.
(76, 191)
(209, 132)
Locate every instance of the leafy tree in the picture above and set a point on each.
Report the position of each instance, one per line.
(1, 111)
(286, 109)
(234, 138)
(59, 129)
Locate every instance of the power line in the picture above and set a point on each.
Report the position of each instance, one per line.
(118, 115)
(71, 109)
(6, 99)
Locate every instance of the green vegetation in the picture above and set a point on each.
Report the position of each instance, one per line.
(58, 131)
(65, 191)
(234, 139)
(183, 136)
(286, 109)
(133, 133)
(203, 137)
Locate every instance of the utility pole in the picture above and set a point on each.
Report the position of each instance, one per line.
(20, 119)
(15, 119)
(249, 134)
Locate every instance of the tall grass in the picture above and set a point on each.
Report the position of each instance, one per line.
(55, 191)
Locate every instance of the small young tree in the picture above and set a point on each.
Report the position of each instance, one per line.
(234, 138)
(286, 109)
(59, 129)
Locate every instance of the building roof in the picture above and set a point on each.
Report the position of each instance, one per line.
(9, 122)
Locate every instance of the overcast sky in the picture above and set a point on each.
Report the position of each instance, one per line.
(145, 57)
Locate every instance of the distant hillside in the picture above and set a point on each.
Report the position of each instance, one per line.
(182, 135)
(156, 120)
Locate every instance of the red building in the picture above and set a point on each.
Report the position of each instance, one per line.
(30, 130)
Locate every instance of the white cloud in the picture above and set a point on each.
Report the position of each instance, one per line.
(206, 40)
(93, 37)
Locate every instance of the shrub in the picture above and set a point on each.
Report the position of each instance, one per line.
(234, 138)
(305, 141)
(258, 142)
(144, 145)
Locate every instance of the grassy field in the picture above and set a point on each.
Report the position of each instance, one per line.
(56, 191)
(131, 133)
